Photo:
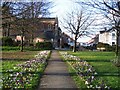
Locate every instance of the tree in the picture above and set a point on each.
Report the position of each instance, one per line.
(77, 23)
(26, 14)
(37, 9)
(111, 10)
(6, 18)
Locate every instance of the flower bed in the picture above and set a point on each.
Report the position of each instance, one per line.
(85, 71)
(27, 74)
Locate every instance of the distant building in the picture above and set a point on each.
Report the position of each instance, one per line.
(108, 37)
(66, 41)
(36, 40)
(49, 30)
(19, 38)
(93, 41)
(44, 29)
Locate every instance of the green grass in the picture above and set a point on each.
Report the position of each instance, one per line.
(79, 81)
(9, 65)
(11, 58)
(101, 62)
(25, 48)
(18, 55)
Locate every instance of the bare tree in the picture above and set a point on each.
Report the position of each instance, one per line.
(6, 18)
(26, 15)
(37, 9)
(111, 10)
(34, 10)
(77, 23)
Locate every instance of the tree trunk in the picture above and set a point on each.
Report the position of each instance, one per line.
(75, 42)
(117, 46)
(8, 30)
(22, 43)
(117, 52)
(32, 37)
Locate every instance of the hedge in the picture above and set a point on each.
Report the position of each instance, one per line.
(44, 45)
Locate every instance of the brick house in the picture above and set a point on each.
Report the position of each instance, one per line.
(44, 29)
(49, 31)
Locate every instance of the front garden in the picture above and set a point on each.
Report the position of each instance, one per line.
(93, 69)
(22, 70)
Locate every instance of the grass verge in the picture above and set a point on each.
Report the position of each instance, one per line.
(17, 73)
(78, 80)
(106, 70)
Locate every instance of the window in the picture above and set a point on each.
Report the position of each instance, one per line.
(113, 36)
(49, 26)
(113, 43)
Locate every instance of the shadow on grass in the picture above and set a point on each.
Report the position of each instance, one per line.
(97, 60)
(87, 60)
(116, 74)
(12, 72)
(16, 59)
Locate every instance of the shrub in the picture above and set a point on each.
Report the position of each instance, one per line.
(7, 41)
(44, 45)
(17, 43)
(106, 46)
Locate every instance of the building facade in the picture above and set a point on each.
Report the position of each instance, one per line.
(37, 30)
(66, 41)
(108, 37)
(49, 30)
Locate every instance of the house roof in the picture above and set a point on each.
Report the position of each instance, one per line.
(109, 30)
(68, 36)
(48, 20)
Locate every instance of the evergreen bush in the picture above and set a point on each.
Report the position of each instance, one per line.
(7, 41)
(44, 45)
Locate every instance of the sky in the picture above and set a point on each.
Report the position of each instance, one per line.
(62, 7)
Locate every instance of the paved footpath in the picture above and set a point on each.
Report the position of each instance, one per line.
(56, 74)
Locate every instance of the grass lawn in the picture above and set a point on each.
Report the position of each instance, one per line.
(12, 58)
(101, 62)
(17, 55)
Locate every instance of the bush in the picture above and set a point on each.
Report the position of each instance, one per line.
(7, 41)
(106, 46)
(17, 43)
(44, 45)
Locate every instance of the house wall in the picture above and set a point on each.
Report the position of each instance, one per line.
(66, 41)
(45, 28)
(108, 37)
(19, 38)
(36, 40)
